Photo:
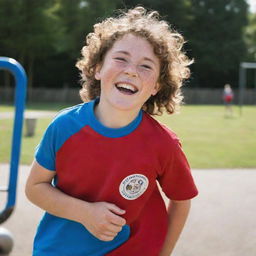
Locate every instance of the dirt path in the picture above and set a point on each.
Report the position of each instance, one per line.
(29, 114)
(221, 222)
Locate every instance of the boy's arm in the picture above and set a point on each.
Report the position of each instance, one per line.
(178, 213)
(100, 218)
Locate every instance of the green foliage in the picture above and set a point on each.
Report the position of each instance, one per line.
(216, 40)
(26, 31)
(214, 33)
(74, 20)
(46, 36)
(250, 37)
(176, 12)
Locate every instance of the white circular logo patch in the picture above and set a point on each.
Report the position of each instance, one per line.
(133, 186)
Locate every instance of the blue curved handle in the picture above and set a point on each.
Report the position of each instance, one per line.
(20, 96)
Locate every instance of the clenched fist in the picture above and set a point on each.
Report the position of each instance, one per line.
(103, 220)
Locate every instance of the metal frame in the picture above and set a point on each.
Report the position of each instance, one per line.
(20, 95)
(242, 80)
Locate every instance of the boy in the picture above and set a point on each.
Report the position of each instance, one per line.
(96, 169)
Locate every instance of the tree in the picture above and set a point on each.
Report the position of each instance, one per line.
(250, 37)
(216, 40)
(214, 34)
(46, 36)
(26, 31)
(75, 19)
(176, 12)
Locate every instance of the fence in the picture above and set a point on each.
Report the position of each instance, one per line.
(214, 96)
(191, 96)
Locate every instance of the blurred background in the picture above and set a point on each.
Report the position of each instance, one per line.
(46, 37)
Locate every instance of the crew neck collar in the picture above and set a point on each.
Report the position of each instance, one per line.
(107, 131)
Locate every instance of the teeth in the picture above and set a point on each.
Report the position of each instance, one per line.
(126, 86)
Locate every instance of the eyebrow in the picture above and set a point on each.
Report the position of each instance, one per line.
(128, 54)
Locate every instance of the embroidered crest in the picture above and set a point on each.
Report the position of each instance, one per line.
(133, 186)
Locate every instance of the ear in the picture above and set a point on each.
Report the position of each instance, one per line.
(156, 89)
(97, 72)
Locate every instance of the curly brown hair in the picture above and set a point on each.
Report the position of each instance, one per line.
(167, 45)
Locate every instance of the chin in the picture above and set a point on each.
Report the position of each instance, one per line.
(126, 106)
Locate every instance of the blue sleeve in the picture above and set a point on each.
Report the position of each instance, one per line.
(65, 124)
(46, 150)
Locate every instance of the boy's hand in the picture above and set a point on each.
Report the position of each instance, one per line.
(103, 220)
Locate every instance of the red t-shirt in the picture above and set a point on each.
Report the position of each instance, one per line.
(120, 166)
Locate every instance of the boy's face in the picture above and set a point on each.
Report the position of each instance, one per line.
(129, 74)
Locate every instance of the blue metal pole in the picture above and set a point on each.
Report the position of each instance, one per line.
(20, 96)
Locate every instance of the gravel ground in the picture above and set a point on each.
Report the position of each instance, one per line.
(221, 221)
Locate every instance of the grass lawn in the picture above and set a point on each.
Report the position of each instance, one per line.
(209, 139)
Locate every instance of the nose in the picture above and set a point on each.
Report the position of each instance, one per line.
(131, 70)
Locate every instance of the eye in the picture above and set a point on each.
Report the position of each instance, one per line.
(146, 66)
(120, 59)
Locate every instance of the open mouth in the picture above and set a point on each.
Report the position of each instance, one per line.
(126, 88)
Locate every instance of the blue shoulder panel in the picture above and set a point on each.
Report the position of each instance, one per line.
(71, 121)
(64, 125)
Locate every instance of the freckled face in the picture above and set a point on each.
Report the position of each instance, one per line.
(129, 74)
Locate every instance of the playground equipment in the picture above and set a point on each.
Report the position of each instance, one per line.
(6, 241)
(244, 66)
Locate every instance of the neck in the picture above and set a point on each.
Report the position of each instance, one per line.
(114, 118)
